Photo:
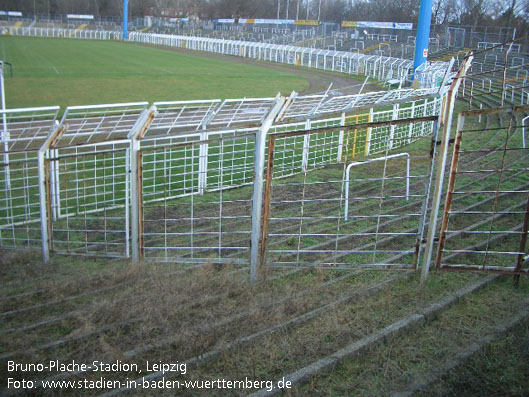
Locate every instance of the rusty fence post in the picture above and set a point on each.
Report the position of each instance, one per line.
(443, 155)
(257, 200)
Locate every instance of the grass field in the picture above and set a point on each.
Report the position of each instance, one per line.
(76, 72)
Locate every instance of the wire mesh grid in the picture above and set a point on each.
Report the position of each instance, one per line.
(22, 133)
(98, 123)
(88, 180)
(498, 206)
(88, 166)
(172, 117)
(307, 106)
(179, 221)
(242, 111)
(90, 213)
(352, 214)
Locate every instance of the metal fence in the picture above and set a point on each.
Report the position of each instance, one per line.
(23, 132)
(378, 67)
(346, 184)
(62, 33)
(86, 182)
(375, 66)
(502, 215)
(335, 219)
(174, 181)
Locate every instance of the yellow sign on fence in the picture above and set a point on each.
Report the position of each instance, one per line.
(306, 22)
(355, 141)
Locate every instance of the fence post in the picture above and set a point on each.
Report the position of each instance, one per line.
(257, 200)
(445, 138)
(43, 209)
(306, 144)
(45, 193)
(340, 139)
(203, 163)
(434, 112)
(424, 113)
(395, 116)
(410, 131)
(368, 134)
(136, 134)
(134, 200)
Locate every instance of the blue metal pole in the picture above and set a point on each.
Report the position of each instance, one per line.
(126, 19)
(423, 33)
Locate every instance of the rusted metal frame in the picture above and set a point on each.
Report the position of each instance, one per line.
(356, 126)
(56, 137)
(146, 125)
(450, 190)
(139, 197)
(486, 130)
(446, 76)
(424, 209)
(47, 173)
(477, 268)
(54, 183)
(445, 139)
(517, 270)
(134, 168)
(257, 198)
(267, 198)
(504, 109)
(494, 191)
(497, 193)
(353, 127)
(44, 174)
(290, 99)
(523, 244)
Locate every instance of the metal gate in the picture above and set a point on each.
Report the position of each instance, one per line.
(490, 182)
(345, 209)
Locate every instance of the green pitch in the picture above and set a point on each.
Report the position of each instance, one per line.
(82, 72)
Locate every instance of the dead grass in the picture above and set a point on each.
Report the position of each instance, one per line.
(396, 364)
(499, 370)
(111, 310)
(20, 264)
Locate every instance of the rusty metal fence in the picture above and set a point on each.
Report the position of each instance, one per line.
(340, 219)
(501, 210)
